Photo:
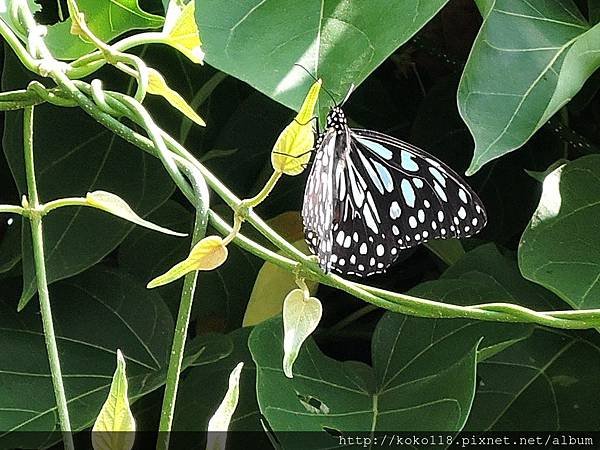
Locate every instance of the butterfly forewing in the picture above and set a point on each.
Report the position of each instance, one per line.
(429, 201)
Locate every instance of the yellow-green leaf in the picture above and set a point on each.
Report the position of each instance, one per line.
(291, 152)
(115, 205)
(208, 254)
(181, 31)
(270, 288)
(114, 428)
(158, 86)
(219, 422)
(300, 318)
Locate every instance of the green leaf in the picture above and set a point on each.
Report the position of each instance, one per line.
(157, 85)
(218, 424)
(208, 254)
(94, 314)
(594, 11)
(340, 43)
(581, 61)
(540, 175)
(555, 248)
(422, 379)
(273, 283)
(301, 316)
(6, 16)
(548, 49)
(107, 19)
(543, 383)
(114, 428)
(74, 155)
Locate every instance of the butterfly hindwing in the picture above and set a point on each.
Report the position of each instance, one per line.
(317, 210)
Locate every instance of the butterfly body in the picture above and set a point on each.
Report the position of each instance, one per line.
(369, 196)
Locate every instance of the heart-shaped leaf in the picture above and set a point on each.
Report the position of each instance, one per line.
(301, 316)
(342, 43)
(423, 379)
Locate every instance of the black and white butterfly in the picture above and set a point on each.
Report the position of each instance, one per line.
(370, 195)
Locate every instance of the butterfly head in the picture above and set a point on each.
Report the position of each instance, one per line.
(336, 119)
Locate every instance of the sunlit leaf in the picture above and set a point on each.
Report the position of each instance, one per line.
(182, 31)
(340, 42)
(291, 152)
(556, 249)
(208, 254)
(114, 428)
(106, 19)
(219, 422)
(158, 86)
(301, 316)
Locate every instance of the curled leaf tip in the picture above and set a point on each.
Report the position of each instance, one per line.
(208, 254)
(291, 152)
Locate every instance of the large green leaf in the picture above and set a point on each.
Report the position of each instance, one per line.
(341, 42)
(548, 49)
(74, 155)
(94, 315)
(557, 249)
(543, 383)
(423, 378)
(106, 18)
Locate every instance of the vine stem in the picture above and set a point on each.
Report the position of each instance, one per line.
(183, 316)
(42, 283)
(266, 190)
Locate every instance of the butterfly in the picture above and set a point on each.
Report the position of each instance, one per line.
(370, 195)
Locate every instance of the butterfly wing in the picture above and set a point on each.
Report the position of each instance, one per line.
(389, 196)
(317, 210)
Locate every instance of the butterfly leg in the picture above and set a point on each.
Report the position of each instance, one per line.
(294, 156)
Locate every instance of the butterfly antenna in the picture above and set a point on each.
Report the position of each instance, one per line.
(350, 91)
(314, 78)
